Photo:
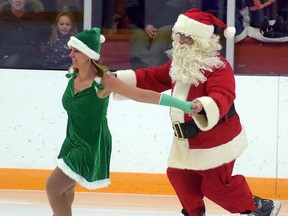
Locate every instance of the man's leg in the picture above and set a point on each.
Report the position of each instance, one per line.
(187, 185)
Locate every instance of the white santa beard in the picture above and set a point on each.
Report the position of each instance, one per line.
(190, 62)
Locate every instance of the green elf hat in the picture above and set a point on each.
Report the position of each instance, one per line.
(88, 42)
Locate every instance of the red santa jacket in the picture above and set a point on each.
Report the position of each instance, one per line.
(215, 144)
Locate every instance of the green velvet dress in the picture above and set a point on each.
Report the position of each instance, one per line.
(86, 150)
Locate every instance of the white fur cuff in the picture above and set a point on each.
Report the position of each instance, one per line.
(127, 76)
(212, 114)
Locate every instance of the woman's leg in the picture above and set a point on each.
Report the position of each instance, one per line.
(60, 192)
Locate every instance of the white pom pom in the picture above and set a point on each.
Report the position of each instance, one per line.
(229, 32)
(102, 38)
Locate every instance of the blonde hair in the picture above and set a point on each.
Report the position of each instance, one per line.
(100, 69)
(54, 33)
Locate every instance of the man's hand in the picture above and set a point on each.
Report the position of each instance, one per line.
(151, 31)
(196, 108)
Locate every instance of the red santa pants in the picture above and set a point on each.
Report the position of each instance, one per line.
(230, 192)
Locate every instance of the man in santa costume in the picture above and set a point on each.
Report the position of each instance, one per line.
(207, 142)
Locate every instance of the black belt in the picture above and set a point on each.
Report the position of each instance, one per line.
(190, 129)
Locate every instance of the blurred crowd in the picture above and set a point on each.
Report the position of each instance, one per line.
(34, 33)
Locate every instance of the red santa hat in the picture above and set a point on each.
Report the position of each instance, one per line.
(198, 23)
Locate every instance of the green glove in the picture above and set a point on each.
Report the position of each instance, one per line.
(167, 100)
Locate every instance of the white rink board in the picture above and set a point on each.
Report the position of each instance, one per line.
(33, 125)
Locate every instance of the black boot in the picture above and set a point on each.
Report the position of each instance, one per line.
(185, 213)
(280, 28)
(265, 207)
(203, 212)
(266, 29)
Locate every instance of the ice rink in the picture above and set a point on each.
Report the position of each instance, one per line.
(35, 203)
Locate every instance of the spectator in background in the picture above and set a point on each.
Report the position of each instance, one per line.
(216, 7)
(56, 51)
(113, 16)
(108, 13)
(152, 27)
(23, 29)
(53, 7)
(265, 15)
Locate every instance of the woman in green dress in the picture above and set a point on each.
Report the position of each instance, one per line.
(84, 157)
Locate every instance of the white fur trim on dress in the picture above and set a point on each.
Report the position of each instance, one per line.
(79, 45)
(80, 180)
(205, 123)
(182, 157)
(127, 76)
(97, 80)
(191, 27)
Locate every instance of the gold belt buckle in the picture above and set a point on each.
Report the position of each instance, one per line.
(179, 136)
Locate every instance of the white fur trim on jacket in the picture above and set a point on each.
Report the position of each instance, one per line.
(180, 91)
(80, 180)
(212, 114)
(127, 76)
(182, 157)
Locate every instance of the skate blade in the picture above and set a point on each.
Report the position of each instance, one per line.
(276, 209)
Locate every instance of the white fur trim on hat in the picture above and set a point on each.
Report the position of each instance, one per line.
(79, 45)
(192, 27)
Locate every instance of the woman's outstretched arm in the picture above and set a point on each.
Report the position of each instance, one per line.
(112, 84)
